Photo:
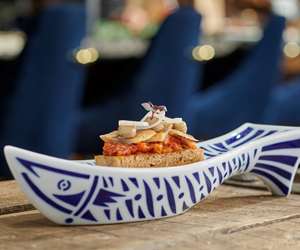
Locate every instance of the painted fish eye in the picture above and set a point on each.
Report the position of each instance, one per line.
(64, 185)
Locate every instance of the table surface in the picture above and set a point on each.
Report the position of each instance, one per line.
(231, 218)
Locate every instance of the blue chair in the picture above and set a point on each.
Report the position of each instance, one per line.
(168, 75)
(42, 112)
(242, 96)
(284, 104)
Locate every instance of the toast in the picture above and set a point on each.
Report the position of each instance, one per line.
(154, 141)
(183, 157)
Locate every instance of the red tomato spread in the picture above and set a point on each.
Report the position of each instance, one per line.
(172, 144)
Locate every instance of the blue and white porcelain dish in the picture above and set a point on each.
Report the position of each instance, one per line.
(79, 192)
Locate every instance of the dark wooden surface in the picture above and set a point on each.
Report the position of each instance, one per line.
(231, 218)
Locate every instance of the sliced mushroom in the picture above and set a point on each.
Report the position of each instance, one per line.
(158, 137)
(141, 136)
(181, 134)
(181, 126)
(110, 137)
(127, 131)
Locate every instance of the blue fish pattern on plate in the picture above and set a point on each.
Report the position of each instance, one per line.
(78, 192)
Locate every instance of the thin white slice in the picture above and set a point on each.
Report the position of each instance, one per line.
(158, 120)
(110, 137)
(181, 134)
(137, 124)
(172, 120)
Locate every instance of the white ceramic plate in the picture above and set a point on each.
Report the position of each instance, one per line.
(78, 192)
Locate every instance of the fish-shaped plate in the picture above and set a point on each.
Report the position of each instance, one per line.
(79, 192)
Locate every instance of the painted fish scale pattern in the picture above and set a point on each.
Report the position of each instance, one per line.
(233, 141)
(276, 163)
(113, 199)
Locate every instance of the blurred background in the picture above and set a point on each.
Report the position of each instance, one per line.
(70, 69)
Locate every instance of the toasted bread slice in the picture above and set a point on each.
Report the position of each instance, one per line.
(152, 160)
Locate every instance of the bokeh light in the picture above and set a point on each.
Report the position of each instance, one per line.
(204, 52)
(86, 56)
(292, 49)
